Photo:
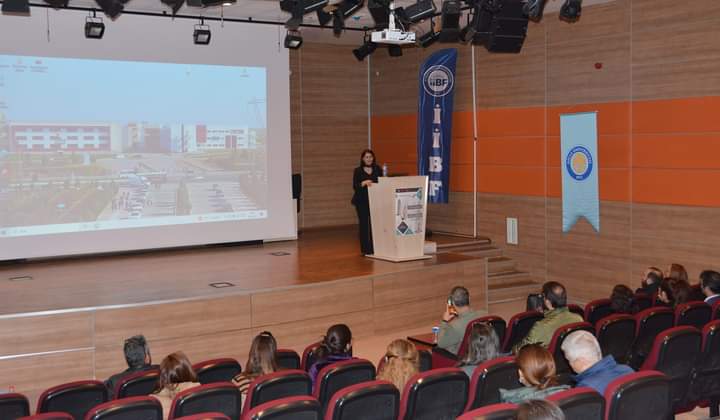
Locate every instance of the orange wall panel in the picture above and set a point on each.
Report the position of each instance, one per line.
(678, 151)
(511, 122)
(684, 115)
(675, 186)
(511, 180)
(516, 151)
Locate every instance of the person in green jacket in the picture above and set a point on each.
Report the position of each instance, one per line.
(457, 316)
(556, 315)
(536, 371)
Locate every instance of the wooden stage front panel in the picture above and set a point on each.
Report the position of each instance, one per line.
(79, 320)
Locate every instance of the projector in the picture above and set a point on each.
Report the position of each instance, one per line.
(393, 36)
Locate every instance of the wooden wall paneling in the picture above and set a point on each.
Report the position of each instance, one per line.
(454, 217)
(597, 21)
(38, 334)
(394, 82)
(420, 313)
(397, 289)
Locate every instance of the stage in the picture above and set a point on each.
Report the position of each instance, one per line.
(66, 319)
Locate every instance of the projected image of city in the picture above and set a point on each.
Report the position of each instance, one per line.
(167, 144)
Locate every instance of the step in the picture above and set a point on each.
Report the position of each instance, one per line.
(497, 265)
(476, 251)
(515, 291)
(508, 277)
(461, 244)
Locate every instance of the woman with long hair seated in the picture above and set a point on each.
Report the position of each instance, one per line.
(336, 346)
(262, 359)
(536, 368)
(673, 292)
(401, 362)
(483, 345)
(176, 375)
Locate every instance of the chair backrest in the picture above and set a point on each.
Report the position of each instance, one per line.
(496, 322)
(339, 375)
(597, 310)
(642, 301)
(616, 334)
(562, 366)
(54, 415)
(309, 356)
(716, 310)
(640, 395)
(706, 381)
(576, 309)
(13, 406)
(648, 324)
(291, 408)
(288, 359)
(425, 360)
(488, 378)
(519, 326)
(74, 398)
(436, 394)
(377, 400)
(501, 411)
(133, 408)
(694, 314)
(205, 416)
(216, 397)
(674, 353)
(137, 384)
(580, 403)
(217, 370)
(278, 385)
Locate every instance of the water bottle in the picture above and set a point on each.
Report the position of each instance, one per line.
(384, 169)
(435, 331)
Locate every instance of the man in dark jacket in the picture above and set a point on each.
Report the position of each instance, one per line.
(651, 281)
(137, 356)
(710, 284)
(583, 352)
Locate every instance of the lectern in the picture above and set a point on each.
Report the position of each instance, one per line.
(398, 210)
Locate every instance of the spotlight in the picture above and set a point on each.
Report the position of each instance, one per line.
(293, 40)
(298, 9)
(534, 9)
(94, 27)
(175, 5)
(365, 49)
(344, 10)
(571, 10)
(16, 7)
(380, 12)
(450, 17)
(201, 34)
(323, 17)
(428, 38)
(414, 13)
(57, 4)
(112, 8)
(395, 51)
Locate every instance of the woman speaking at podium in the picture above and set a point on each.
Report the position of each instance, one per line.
(363, 177)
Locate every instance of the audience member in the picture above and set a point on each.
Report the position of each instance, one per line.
(483, 345)
(621, 300)
(678, 272)
(137, 356)
(710, 283)
(262, 359)
(457, 316)
(176, 375)
(336, 346)
(673, 292)
(401, 362)
(583, 352)
(536, 369)
(539, 410)
(556, 315)
(651, 281)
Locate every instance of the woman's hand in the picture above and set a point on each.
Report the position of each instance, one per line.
(366, 183)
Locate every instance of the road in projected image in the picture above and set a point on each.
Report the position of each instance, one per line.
(99, 144)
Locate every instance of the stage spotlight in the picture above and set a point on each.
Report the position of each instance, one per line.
(94, 27)
(395, 51)
(344, 10)
(534, 9)
(450, 16)
(293, 40)
(298, 9)
(16, 7)
(175, 5)
(112, 8)
(429, 37)
(365, 49)
(380, 12)
(57, 4)
(414, 13)
(571, 10)
(323, 17)
(201, 34)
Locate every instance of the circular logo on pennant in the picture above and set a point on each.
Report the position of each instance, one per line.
(438, 81)
(579, 163)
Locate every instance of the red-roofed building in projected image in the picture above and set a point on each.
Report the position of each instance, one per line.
(58, 137)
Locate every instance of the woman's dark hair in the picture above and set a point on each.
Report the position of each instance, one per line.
(711, 280)
(677, 291)
(174, 369)
(483, 345)
(262, 358)
(539, 410)
(336, 341)
(678, 272)
(537, 366)
(362, 155)
(621, 299)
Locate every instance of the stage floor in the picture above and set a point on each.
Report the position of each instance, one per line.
(93, 282)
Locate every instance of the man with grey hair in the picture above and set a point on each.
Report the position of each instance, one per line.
(457, 316)
(137, 357)
(583, 352)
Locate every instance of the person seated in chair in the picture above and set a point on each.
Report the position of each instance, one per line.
(336, 346)
(536, 369)
(402, 361)
(539, 410)
(176, 375)
(651, 281)
(710, 283)
(622, 300)
(455, 320)
(584, 355)
(673, 292)
(262, 360)
(483, 345)
(555, 316)
(137, 357)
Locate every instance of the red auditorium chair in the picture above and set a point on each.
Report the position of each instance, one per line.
(74, 398)
(648, 324)
(597, 310)
(518, 328)
(580, 403)
(640, 395)
(694, 314)
(205, 416)
(13, 406)
(674, 353)
(443, 358)
(133, 408)
(377, 400)
(55, 415)
(435, 394)
(217, 370)
(309, 356)
(642, 301)
(562, 366)
(278, 385)
(217, 397)
(716, 310)
(616, 334)
(576, 309)
(706, 378)
(339, 375)
(502, 411)
(137, 384)
(288, 359)
(488, 378)
(291, 408)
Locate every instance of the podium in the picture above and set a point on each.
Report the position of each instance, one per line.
(398, 211)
